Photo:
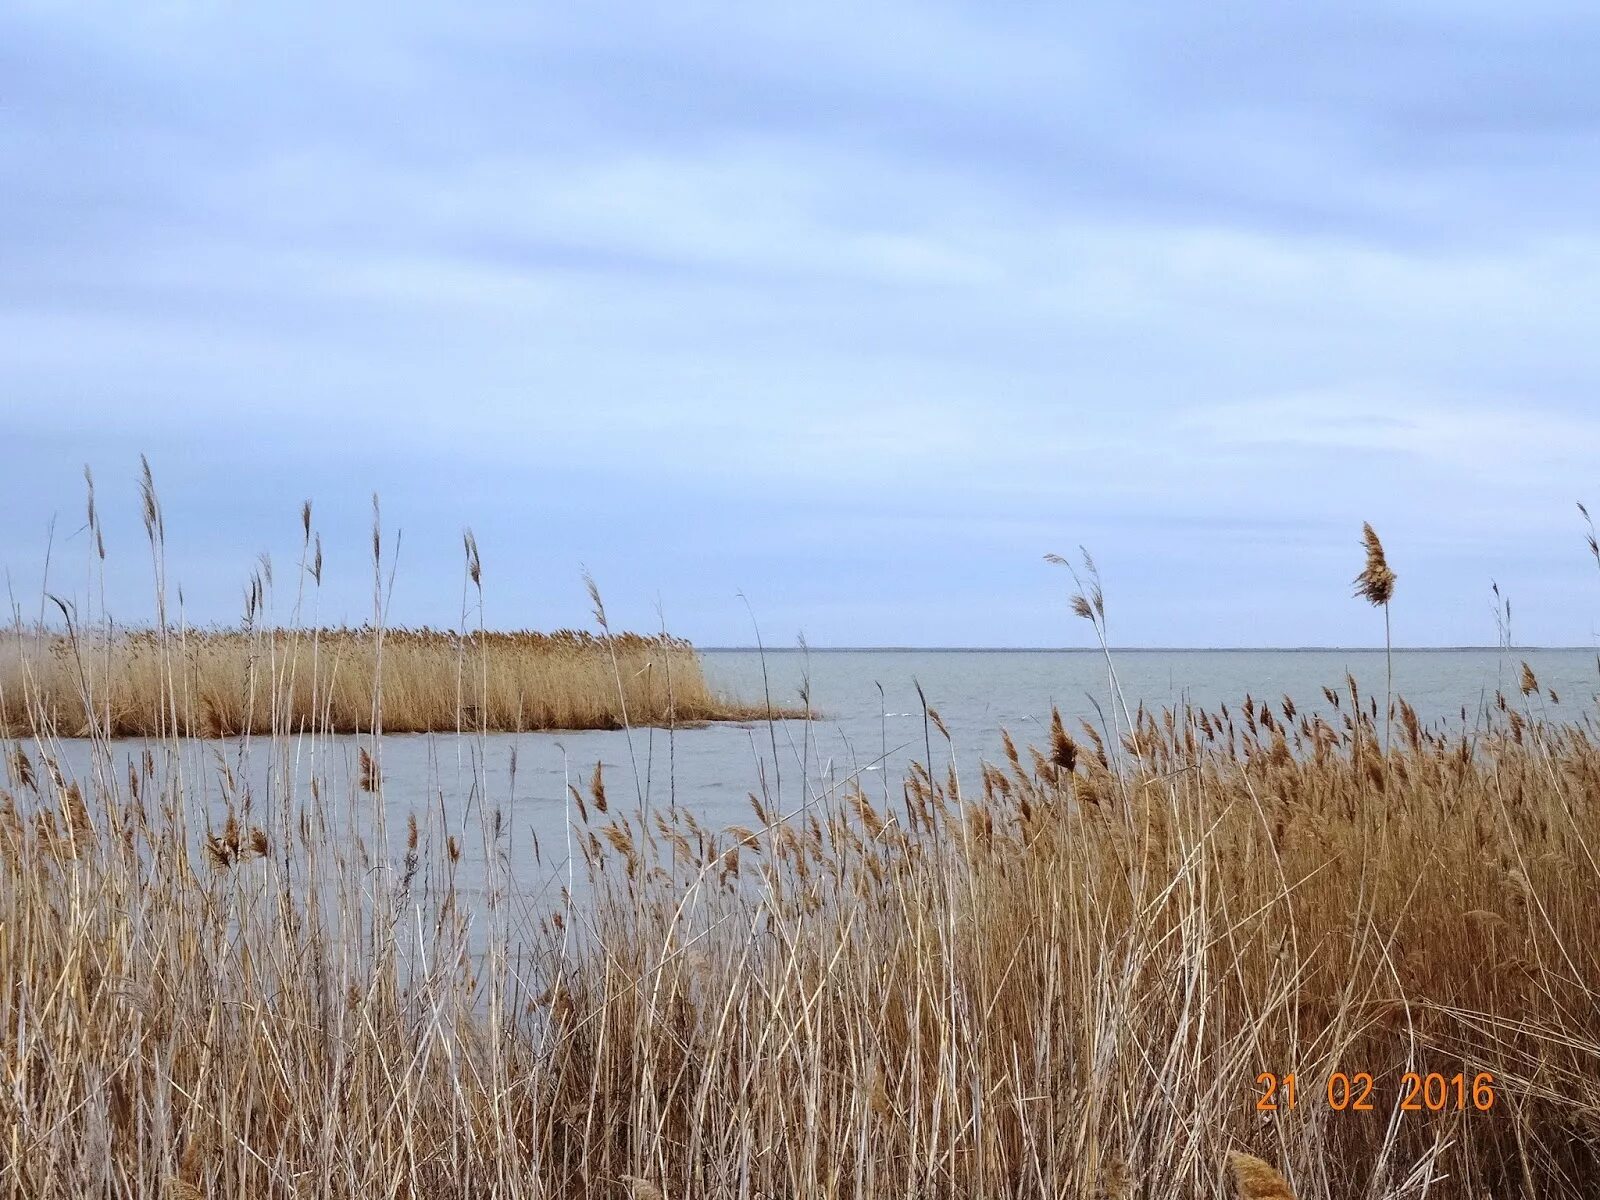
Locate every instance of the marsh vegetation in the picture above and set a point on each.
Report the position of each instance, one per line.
(226, 682)
(1062, 973)
(1062, 977)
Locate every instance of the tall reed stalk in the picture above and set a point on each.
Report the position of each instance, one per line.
(1375, 585)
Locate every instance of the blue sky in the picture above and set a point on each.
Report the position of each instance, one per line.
(856, 310)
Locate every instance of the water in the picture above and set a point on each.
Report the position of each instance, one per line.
(864, 734)
(979, 693)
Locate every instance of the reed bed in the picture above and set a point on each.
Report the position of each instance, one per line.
(221, 683)
(1061, 977)
(1064, 974)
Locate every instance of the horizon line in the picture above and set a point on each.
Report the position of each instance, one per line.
(788, 649)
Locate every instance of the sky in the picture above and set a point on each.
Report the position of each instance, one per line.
(826, 320)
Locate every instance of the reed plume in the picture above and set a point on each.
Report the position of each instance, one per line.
(1375, 584)
(1528, 682)
(1257, 1179)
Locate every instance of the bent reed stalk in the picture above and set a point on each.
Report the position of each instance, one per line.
(221, 683)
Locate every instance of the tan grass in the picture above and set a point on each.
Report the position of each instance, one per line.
(1063, 981)
(213, 683)
(1059, 977)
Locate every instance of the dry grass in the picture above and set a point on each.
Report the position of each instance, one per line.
(1058, 977)
(1062, 980)
(212, 683)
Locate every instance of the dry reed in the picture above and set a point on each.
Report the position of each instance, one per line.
(1063, 978)
(1375, 585)
(218, 683)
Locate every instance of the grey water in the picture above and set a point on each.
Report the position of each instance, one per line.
(870, 725)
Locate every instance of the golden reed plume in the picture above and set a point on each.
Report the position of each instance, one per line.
(1375, 584)
(1256, 1179)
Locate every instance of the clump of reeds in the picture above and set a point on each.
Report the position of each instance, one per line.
(218, 683)
(94, 678)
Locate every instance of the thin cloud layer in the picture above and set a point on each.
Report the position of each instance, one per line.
(859, 312)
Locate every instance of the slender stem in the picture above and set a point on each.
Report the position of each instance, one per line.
(1388, 687)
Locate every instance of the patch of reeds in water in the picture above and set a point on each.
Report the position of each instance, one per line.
(211, 683)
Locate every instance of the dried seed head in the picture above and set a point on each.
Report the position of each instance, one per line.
(1088, 602)
(474, 562)
(1375, 584)
(1257, 1180)
(642, 1189)
(1063, 750)
(22, 766)
(1530, 682)
(154, 527)
(218, 853)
